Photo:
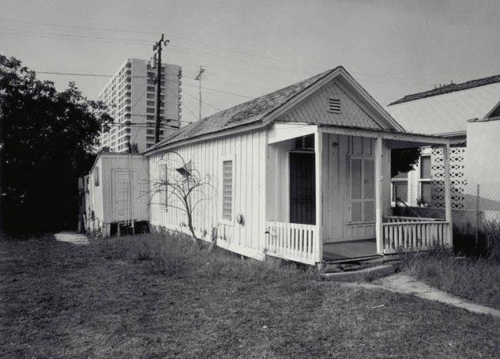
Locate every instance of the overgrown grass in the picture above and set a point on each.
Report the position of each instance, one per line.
(157, 297)
(475, 279)
(481, 242)
(177, 256)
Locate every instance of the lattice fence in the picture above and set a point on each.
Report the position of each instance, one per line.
(457, 177)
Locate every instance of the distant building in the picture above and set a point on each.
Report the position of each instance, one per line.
(468, 114)
(131, 95)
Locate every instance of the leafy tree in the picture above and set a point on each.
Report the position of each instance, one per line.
(403, 160)
(47, 139)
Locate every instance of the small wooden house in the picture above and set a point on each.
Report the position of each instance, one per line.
(302, 173)
(115, 189)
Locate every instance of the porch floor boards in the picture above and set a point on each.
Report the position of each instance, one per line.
(349, 250)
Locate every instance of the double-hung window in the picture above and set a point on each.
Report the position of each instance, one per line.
(425, 180)
(400, 188)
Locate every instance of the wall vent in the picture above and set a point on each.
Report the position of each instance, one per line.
(334, 105)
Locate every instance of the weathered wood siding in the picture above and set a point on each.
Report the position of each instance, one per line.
(249, 153)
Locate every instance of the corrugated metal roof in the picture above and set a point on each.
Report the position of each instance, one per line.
(242, 114)
(447, 112)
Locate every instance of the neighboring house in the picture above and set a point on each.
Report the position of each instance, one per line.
(115, 194)
(302, 173)
(467, 114)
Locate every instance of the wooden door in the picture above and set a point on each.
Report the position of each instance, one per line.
(302, 188)
(122, 196)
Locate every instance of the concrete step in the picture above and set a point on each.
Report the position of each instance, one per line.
(361, 274)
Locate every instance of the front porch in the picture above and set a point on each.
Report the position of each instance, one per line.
(335, 203)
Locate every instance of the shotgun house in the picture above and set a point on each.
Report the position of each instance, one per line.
(302, 174)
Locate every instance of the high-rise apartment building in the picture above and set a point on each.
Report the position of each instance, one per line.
(131, 97)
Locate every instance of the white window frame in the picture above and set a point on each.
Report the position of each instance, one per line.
(363, 200)
(420, 179)
(408, 189)
(221, 196)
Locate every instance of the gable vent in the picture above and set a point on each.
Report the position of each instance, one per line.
(334, 105)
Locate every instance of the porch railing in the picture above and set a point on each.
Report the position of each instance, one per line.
(292, 241)
(417, 234)
(399, 219)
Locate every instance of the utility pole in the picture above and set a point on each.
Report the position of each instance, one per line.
(198, 78)
(158, 47)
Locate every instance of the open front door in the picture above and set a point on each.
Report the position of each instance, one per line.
(302, 188)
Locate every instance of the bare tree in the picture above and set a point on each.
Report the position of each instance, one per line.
(181, 187)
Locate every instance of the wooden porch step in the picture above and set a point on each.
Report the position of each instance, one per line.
(360, 275)
(355, 259)
(352, 264)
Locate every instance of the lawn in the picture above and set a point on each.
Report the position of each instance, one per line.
(156, 297)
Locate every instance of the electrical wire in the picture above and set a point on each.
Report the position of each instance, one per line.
(206, 103)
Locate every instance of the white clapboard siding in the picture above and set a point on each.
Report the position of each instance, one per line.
(248, 152)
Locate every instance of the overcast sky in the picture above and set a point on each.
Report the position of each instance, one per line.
(249, 48)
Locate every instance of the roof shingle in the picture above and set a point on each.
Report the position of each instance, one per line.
(242, 114)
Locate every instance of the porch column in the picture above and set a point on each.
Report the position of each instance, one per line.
(379, 208)
(447, 192)
(318, 248)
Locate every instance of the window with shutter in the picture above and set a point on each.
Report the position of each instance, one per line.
(227, 190)
(362, 189)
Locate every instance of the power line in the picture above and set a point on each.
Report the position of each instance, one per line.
(185, 105)
(206, 103)
(185, 49)
(72, 37)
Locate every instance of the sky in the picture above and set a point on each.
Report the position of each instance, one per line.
(249, 48)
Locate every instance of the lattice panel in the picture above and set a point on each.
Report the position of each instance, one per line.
(457, 177)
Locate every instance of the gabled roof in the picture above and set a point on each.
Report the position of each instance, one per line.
(446, 110)
(261, 109)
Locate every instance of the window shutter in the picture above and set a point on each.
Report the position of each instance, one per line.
(227, 190)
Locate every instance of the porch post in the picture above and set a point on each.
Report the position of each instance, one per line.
(447, 193)
(318, 141)
(379, 208)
